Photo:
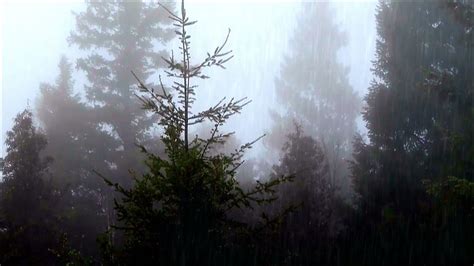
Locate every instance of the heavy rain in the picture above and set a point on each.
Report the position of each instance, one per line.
(237, 132)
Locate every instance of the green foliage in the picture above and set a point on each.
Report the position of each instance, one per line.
(178, 212)
(27, 198)
(417, 111)
(69, 256)
(453, 192)
(418, 116)
(185, 206)
(453, 212)
(98, 131)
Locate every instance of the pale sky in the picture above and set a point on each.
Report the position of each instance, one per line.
(33, 37)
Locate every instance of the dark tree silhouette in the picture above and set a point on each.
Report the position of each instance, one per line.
(417, 114)
(177, 213)
(309, 228)
(67, 123)
(27, 199)
(118, 37)
(313, 89)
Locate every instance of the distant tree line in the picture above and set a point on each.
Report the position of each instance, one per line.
(132, 174)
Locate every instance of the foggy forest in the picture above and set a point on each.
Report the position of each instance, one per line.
(237, 133)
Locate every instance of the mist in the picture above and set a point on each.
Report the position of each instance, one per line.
(237, 132)
(260, 37)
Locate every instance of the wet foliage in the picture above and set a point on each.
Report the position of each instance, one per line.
(133, 172)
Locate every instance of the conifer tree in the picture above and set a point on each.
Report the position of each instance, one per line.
(117, 37)
(66, 122)
(418, 109)
(307, 231)
(313, 89)
(177, 213)
(417, 114)
(27, 198)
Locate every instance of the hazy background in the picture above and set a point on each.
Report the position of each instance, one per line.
(33, 37)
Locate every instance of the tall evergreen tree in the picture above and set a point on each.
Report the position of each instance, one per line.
(67, 123)
(314, 90)
(178, 212)
(27, 198)
(118, 37)
(421, 102)
(309, 229)
(418, 114)
(71, 138)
